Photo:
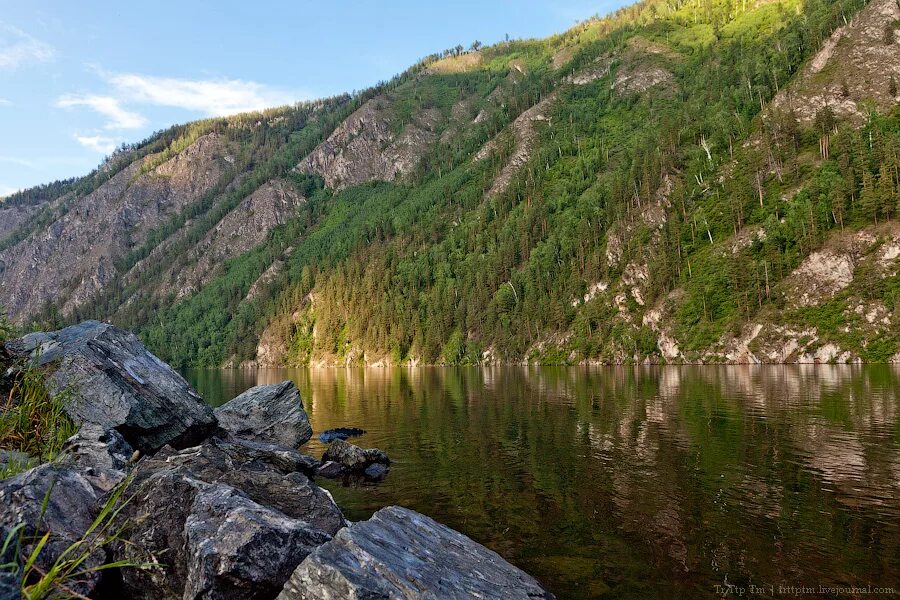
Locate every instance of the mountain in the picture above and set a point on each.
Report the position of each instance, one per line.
(681, 181)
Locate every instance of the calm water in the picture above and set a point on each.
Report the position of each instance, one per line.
(632, 482)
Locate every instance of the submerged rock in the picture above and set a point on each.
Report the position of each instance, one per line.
(108, 377)
(399, 553)
(340, 433)
(353, 457)
(268, 413)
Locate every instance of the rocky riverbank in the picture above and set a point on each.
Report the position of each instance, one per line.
(159, 496)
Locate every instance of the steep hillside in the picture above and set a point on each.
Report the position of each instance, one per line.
(688, 181)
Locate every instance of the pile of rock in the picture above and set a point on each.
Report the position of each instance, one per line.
(220, 504)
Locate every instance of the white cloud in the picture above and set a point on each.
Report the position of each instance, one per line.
(97, 143)
(17, 48)
(5, 102)
(108, 106)
(213, 98)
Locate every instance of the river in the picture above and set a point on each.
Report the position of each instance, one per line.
(631, 482)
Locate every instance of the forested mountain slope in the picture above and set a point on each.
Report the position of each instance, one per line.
(708, 181)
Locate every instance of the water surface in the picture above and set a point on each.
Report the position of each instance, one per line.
(644, 482)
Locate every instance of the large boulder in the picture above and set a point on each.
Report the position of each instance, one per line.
(238, 549)
(255, 497)
(399, 553)
(268, 413)
(109, 378)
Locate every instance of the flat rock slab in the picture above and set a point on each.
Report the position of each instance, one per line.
(267, 413)
(401, 554)
(109, 378)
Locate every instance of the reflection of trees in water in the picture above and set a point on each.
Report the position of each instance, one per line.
(639, 476)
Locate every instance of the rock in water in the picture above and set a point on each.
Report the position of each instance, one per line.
(268, 413)
(238, 549)
(116, 383)
(401, 554)
(340, 433)
(353, 457)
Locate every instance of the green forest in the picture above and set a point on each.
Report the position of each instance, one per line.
(431, 268)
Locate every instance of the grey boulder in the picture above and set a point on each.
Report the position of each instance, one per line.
(268, 413)
(240, 550)
(401, 554)
(175, 490)
(109, 378)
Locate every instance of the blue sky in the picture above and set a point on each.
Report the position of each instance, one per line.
(79, 78)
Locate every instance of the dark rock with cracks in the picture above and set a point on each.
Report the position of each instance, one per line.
(54, 498)
(165, 490)
(353, 457)
(268, 413)
(237, 549)
(399, 553)
(102, 455)
(260, 475)
(109, 378)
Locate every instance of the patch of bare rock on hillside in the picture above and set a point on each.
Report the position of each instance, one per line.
(72, 260)
(854, 65)
(366, 147)
(242, 229)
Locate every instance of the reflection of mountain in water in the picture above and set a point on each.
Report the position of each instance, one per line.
(646, 481)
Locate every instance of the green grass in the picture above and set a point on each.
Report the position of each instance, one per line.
(31, 420)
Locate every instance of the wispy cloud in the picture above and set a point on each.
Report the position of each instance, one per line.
(5, 102)
(98, 143)
(212, 97)
(17, 48)
(14, 160)
(108, 106)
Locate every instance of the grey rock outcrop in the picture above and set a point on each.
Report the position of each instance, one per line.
(238, 549)
(268, 413)
(109, 378)
(352, 457)
(399, 553)
(272, 504)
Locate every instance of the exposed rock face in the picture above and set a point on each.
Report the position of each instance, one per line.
(862, 68)
(366, 148)
(245, 227)
(269, 413)
(72, 260)
(110, 379)
(220, 518)
(13, 217)
(353, 457)
(239, 549)
(399, 553)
